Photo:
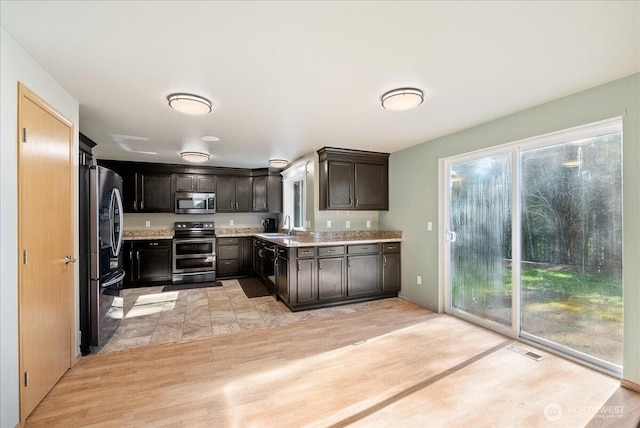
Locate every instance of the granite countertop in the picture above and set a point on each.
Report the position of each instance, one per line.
(237, 232)
(140, 234)
(298, 239)
(331, 238)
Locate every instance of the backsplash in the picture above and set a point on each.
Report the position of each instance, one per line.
(166, 220)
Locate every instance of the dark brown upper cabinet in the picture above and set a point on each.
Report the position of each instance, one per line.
(151, 187)
(353, 179)
(233, 194)
(267, 191)
(195, 183)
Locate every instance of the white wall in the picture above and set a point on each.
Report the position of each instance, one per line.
(17, 66)
(414, 171)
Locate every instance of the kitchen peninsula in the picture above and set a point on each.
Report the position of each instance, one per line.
(325, 269)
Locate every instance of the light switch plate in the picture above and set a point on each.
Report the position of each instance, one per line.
(230, 222)
(328, 223)
(147, 223)
(419, 280)
(368, 223)
(348, 224)
(429, 226)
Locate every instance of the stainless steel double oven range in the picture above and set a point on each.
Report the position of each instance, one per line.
(194, 252)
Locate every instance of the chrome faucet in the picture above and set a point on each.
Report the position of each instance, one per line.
(287, 222)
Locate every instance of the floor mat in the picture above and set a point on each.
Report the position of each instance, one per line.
(253, 287)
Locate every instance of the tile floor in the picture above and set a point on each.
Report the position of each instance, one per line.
(151, 316)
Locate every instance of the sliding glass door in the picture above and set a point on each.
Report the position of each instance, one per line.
(532, 242)
(571, 268)
(479, 238)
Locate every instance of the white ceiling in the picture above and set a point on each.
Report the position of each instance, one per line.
(287, 78)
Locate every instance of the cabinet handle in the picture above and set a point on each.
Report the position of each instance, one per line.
(320, 265)
(391, 247)
(137, 255)
(265, 206)
(384, 260)
(227, 263)
(350, 201)
(236, 206)
(331, 251)
(141, 205)
(131, 255)
(135, 205)
(154, 243)
(357, 203)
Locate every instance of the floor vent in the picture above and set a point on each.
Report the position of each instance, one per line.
(526, 353)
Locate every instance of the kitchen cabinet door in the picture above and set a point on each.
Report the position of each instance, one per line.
(331, 278)
(243, 194)
(363, 275)
(225, 194)
(156, 195)
(307, 288)
(260, 194)
(391, 273)
(371, 186)
(340, 176)
(282, 278)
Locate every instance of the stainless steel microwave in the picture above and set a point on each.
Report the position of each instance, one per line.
(195, 203)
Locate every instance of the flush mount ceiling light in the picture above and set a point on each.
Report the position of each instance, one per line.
(402, 99)
(195, 156)
(278, 163)
(190, 104)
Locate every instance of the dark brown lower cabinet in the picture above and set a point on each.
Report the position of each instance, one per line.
(234, 256)
(314, 277)
(363, 275)
(306, 285)
(331, 278)
(148, 261)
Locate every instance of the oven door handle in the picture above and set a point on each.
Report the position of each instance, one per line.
(192, 240)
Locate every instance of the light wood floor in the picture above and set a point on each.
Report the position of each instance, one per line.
(396, 365)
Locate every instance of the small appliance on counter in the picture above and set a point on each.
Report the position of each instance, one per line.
(270, 225)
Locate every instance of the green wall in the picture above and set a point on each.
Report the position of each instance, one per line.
(414, 191)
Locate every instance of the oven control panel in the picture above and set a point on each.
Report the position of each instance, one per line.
(191, 225)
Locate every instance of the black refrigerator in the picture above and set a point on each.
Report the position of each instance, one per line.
(101, 268)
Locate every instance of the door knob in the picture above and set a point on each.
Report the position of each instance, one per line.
(69, 259)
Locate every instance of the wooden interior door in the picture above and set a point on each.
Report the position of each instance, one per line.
(45, 219)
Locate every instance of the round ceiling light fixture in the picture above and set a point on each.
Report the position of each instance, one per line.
(402, 99)
(189, 103)
(278, 163)
(197, 157)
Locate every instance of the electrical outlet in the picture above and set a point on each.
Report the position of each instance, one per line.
(368, 224)
(429, 226)
(147, 223)
(347, 224)
(230, 222)
(419, 280)
(328, 223)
